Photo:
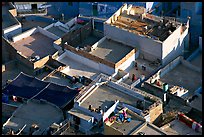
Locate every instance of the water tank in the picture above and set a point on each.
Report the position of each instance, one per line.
(165, 87)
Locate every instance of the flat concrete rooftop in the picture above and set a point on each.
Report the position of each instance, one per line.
(183, 77)
(151, 130)
(7, 19)
(128, 127)
(36, 44)
(179, 128)
(44, 115)
(106, 96)
(76, 68)
(197, 103)
(55, 30)
(58, 80)
(111, 50)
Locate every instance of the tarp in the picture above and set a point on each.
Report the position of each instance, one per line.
(57, 94)
(24, 86)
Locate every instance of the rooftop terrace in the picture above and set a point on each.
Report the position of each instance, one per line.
(135, 20)
(127, 127)
(30, 45)
(45, 114)
(183, 77)
(106, 96)
(111, 50)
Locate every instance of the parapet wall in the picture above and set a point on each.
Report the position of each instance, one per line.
(89, 56)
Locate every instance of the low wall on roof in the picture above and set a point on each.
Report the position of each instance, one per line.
(40, 19)
(24, 34)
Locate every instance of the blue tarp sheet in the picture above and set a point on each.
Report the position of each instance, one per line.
(58, 95)
(26, 86)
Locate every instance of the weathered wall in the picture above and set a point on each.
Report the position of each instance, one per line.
(173, 46)
(151, 49)
(126, 61)
(75, 37)
(89, 56)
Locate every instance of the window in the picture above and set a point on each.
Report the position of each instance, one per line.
(70, 3)
(34, 6)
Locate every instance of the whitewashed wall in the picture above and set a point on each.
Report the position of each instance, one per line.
(128, 64)
(92, 64)
(24, 34)
(149, 47)
(13, 30)
(110, 110)
(173, 46)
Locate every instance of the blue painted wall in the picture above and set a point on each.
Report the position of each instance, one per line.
(69, 9)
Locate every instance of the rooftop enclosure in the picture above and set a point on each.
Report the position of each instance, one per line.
(29, 43)
(101, 86)
(45, 114)
(136, 20)
(25, 86)
(90, 44)
(179, 73)
(83, 36)
(111, 50)
(151, 34)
